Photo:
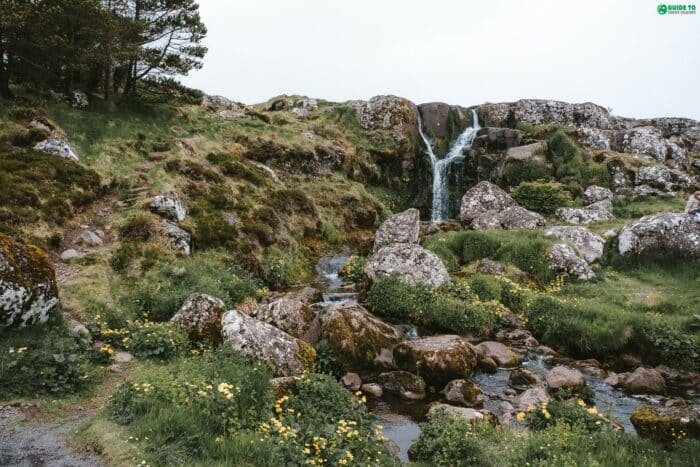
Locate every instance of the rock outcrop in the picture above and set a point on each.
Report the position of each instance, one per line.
(255, 340)
(486, 206)
(664, 234)
(388, 113)
(58, 146)
(663, 424)
(200, 316)
(178, 239)
(412, 263)
(595, 193)
(589, 244)
(438, 358)
(292, 316)
(356, 337)
(28, 291)
(663, 178)
(169, 206)
(562, 259)
(403, 227)
(599, 211)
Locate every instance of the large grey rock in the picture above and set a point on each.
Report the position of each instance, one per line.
(666, 234)
(28, 291)
(589, 244)
(58, 146)
(402, 384)
(357, 337)
(412, 263)
(200, 315)
(514, 217)
(465, 413)
(255, 340)
(483, 198)
(388, 112)
(169, 206)
(178, 239)
(562, 259)
(303, 106)
(438, 358)
(531, 397)
(292, 316)
(593, 138)
(663, 178)
(501, 354)
(90, 238)
(464, 392)
(641, 140)
(600, 211)
(563, 377)
(403, 227)
(595, 193)
(644, 381)
(523, 153)
(540, 111)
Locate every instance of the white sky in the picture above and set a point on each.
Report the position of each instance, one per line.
(619, 54)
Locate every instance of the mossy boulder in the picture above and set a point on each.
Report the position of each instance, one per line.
(402, 384)
(200, 316)
(356, 337)
(28, 291)
(666, 425)
(439, 359)
(292, 316)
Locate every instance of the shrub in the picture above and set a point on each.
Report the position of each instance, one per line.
(45, 359)
(529, 253)
(456, 248)
(137, 228)
(517, 172)
(540, 196)
(659, 343)
(486, 287)
(563, 411)
(161, 341)
(213, 231)
(325, 361)
(477, 245)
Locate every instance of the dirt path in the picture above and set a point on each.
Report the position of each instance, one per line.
(27, 440)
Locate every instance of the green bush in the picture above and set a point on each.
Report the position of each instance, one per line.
(45, 359)
(421, 305)
(660, 344)
(542, 197)
(486, 287)
(137, 228)
(213, 231)
(517, 172)
(161, 341)
(528, 253)
(564, 411)
(477, 245)
(158, 295)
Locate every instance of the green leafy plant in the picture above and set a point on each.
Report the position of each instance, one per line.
(161, 341)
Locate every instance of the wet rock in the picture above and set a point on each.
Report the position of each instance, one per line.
(169, 206)
(664, 424)
(356, 337)
(351, 381)
(292, 316)
(465, 413)
(178, 239)
(412, 263)
(402, 384)
(90, 238)
(563, 377)
(531, 397)
(200, 316)
(664, 234)
(486, 364)
(514, 217)
(615, 379)
(644, 381)
(595, 193)
(438, 358)
(502, 355)
(523, 377)
(588, 244)
(59, 147)
(28, 290)
(463, 392)
(373, 389)
(591, 367)
(505, 412)
(491, 267)
(600, 211)
(562, 259)
(255, 340)
(403, 227)
(306, 295)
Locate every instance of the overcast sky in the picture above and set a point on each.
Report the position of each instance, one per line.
(619, 54)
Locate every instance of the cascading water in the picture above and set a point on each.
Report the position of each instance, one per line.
(439, 167)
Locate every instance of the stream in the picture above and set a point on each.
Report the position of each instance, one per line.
(400, 418)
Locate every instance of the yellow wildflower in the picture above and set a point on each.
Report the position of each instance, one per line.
(520, 417)
(592, 411)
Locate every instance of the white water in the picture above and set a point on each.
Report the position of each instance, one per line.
(439, 167)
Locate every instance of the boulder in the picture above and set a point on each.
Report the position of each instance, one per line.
(58, 146)
(79, 100)
(463, 392)
(514, 217)
(563, 377)
(402, 384)
(562, 259)
(200, 316)
(491, 267)
(292, 316)
(123, 357)
(663, 424)
(663, 234)
(541, 111)
(524, 153)
(438, 358)
(90, 238)
(169, 206)
(356, 337)
(484, 197)
(599, 211)
(644, 381)
(589, 245)
(663, 178)
(403, 227)
(351, 381)
(531, 397)
(255, 340)
(373, 389)
(498, 139)
(71, 254)
(178, 239)
(502, 355)
(465, 413)
(412, 263)
(303, 106)
(593, 138)
(28, 291)
(640, 140)
(520, 377)
(595, 193)
(391, 113)
(693, 203)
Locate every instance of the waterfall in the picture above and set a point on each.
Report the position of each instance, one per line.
(439, 167)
